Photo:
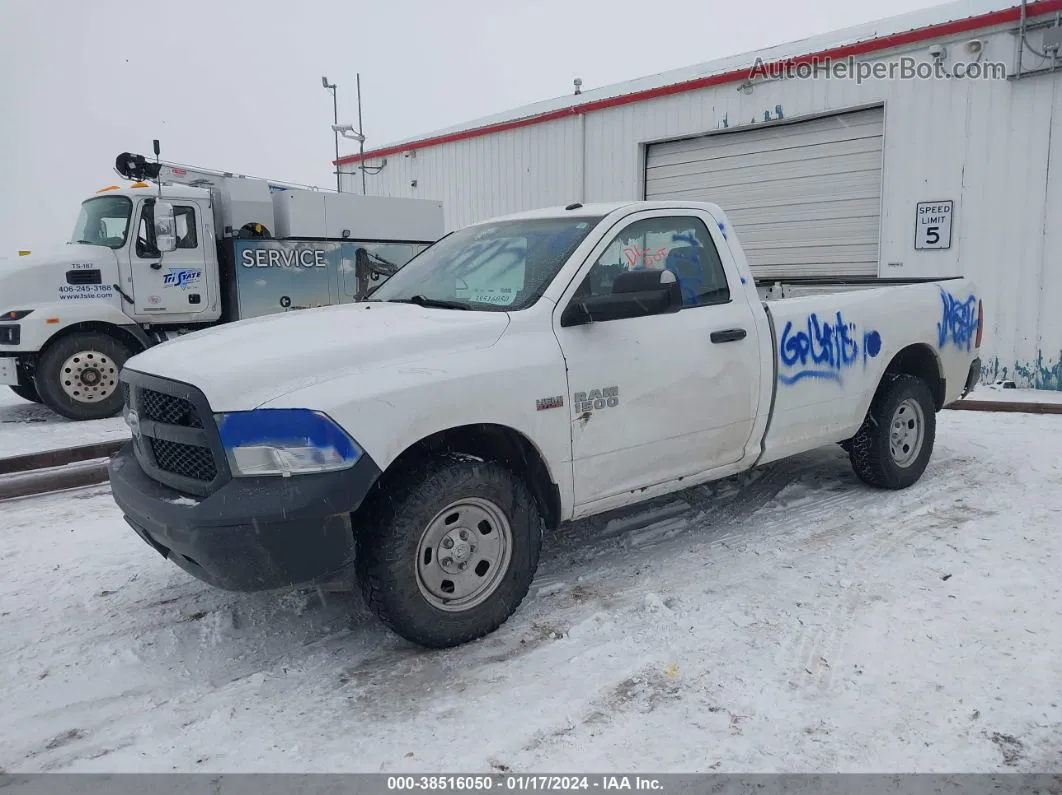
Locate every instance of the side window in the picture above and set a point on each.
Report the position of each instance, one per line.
(187, 237)
(682, 245)
(145, 233)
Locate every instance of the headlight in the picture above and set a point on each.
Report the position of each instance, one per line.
(16, 314)
(284, 442)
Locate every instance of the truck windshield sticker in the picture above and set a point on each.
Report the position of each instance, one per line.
(958, 321)
(822, 350)
(85, 292)
(182, 278)
(502, 296)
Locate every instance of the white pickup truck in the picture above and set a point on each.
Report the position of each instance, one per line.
(519, 373)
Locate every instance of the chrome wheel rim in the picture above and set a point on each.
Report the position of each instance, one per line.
(463, 554)
(89, 376)
(906, 432)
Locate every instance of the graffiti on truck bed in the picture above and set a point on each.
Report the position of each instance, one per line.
(823, 350)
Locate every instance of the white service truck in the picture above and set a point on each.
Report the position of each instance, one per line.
(199, 248)
(538, 368)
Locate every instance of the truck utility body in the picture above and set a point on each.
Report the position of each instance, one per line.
(538, 368)
(241, 247)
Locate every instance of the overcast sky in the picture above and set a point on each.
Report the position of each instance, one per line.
(236, 84)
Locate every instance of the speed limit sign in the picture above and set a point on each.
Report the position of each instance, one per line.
(933, 225)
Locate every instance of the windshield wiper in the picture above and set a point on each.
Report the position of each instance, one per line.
(423, 300)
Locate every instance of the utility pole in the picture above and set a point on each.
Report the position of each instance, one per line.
(361, 145)
(335, 123)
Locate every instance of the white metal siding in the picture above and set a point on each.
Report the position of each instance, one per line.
(804, 197)
(994, 147)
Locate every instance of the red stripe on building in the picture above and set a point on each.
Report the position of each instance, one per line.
(1003, 17)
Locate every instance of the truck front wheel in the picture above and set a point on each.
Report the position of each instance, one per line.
(78, 376)
(447, 552)
(893, 446)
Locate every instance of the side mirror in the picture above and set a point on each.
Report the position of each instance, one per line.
(165, 227)
(634, 294)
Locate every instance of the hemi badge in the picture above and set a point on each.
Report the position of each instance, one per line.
(550, 402)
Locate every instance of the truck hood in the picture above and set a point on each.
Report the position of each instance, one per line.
(241, 365)
(36, 278)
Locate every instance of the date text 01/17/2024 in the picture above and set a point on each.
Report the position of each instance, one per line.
(521, 783)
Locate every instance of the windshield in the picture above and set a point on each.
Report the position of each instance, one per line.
(103, 221)
(501, 266)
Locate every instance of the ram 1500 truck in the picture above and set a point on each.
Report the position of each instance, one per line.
(518, 373)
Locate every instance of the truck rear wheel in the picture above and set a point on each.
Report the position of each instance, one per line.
(447, 553)
(892, 448)
(27, 392)
(78, 376)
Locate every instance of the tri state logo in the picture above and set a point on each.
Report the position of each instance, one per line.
(181, 278)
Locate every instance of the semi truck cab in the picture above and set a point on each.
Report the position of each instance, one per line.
(181, 249)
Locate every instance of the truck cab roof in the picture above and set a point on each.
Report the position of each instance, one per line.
(601, 209)
(168, 192)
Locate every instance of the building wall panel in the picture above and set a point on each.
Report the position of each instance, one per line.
(993, 147)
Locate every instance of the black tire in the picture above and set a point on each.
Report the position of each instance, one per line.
(27, 392)
(389, 534)
(872, 449)
(50, 378)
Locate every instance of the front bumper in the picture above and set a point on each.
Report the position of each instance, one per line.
(9, 371)
(252, 534)
(972, 377)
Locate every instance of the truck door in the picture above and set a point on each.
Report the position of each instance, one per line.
(174, 283)
(666, 396)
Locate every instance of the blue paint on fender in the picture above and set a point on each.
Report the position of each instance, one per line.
(958, 321)
(822, 350)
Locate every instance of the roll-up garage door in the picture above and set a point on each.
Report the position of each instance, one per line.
(804, 197)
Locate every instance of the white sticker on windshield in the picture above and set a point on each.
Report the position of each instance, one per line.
(502, 296)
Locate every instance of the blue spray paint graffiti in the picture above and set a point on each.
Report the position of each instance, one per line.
(1043, 373)
(724, 123)
(958, 321)
(687, 267)
(824, 350)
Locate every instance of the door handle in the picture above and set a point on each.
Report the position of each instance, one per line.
(730, 335)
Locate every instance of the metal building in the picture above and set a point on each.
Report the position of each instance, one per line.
(917, 146)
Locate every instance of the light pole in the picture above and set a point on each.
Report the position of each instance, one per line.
(335, 123)
(348, 131)
(361, 148)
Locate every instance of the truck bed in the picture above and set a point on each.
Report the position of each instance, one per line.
(833, 340)
(776, 289)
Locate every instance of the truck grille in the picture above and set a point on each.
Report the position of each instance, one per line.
(186, 460)
(178, 443)
(168, 409)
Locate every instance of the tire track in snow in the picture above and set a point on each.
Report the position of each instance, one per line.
(815, 654)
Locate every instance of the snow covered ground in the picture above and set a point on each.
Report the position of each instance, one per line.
(31, 428)
(788, 620)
